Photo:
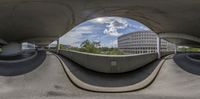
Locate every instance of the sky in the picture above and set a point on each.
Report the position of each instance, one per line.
(103, 29)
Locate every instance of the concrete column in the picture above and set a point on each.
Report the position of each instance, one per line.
(34, 46)
(58, 45)
(49, 46)
(3, 42)
(158, 47)
(175, 49)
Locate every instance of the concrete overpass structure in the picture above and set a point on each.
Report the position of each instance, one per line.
(42, 21)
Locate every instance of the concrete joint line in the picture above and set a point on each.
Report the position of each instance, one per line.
(134, 87)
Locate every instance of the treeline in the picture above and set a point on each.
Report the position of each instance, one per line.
(95, 47)
(189, 49)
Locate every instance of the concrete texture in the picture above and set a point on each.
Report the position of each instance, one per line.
(49, 81)
(163, 54)
(43, 21)
(2, 42)
(179, 38)
(109, 63)
(101, 82)
(173, 82)
(109, 80)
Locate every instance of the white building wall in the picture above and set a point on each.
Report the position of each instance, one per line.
(141, 42)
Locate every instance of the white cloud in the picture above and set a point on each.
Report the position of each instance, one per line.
(112, 32)
(113, 27)
(76, 35)
(139, 27)
(101, 20)
(83, 29)
(71, 38)
(113, 43)
(144, 28)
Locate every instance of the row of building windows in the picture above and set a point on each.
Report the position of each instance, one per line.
(142, 42)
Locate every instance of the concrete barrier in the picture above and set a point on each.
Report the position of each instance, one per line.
(166, 53)
(95, 88)
(109, 63)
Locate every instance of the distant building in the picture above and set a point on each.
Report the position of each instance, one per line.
(142, 42)
(52, 46)
(26, 45)
(65, 46)
(62, 46)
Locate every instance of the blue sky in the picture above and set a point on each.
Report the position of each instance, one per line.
(103, 29)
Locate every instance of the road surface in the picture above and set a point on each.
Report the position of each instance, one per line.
(49, 81)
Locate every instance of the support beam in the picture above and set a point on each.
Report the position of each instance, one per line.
(34, 46)
(58, 45)
(49, 46)
(180, 36)
(158, 47)
(3, 42)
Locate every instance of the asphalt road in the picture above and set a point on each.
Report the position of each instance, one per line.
(10, 68)
(188, 63)
(49, 81)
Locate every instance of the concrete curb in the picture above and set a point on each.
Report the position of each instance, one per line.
(134, 87)
(109, 64)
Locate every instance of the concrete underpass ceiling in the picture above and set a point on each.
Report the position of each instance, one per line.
(183, 42)
(39, 20)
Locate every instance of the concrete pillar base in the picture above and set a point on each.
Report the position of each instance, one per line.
(58, 46)
(158, 47)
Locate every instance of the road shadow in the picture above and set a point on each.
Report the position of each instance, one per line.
(186, 64)
(19, 68)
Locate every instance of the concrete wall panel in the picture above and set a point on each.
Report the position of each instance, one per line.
(109, 63)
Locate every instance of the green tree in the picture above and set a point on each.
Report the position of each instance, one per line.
(95, 47)
(62, 46)
(89, 46)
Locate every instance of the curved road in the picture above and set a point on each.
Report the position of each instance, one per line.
(49, 81)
